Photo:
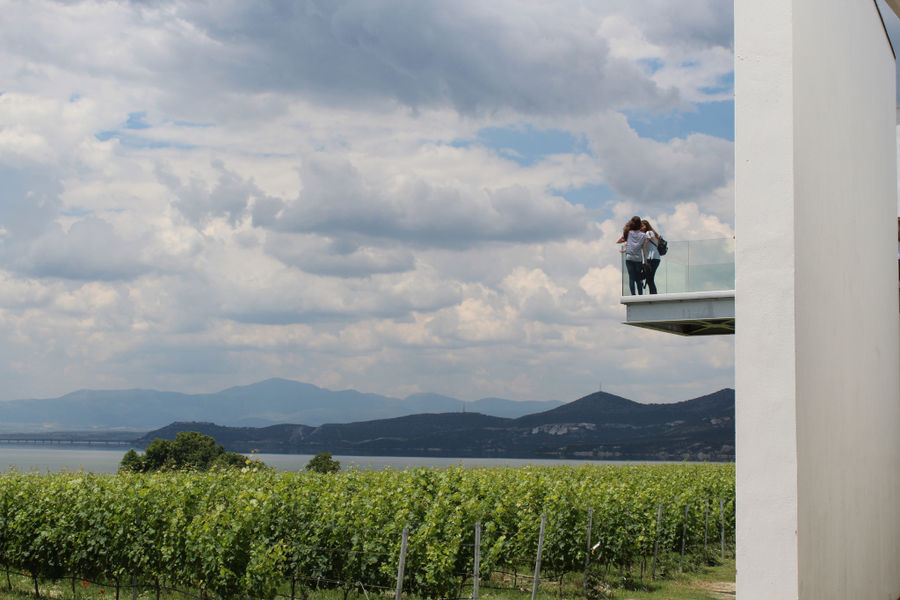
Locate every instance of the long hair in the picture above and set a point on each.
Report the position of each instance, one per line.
(633, 224)
(649, 227)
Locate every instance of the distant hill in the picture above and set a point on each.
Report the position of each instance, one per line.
(261, 404)
(598, 426)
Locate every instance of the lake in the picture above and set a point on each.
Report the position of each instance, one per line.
(106, 460)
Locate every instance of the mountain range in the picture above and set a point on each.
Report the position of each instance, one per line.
(268, 402)
(597, 426)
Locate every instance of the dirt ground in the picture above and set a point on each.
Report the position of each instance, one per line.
(718, 589)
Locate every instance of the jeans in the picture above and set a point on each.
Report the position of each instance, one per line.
(653, 265)
(634, 277)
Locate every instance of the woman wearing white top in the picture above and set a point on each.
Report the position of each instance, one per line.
(635, 242)
(653, 256)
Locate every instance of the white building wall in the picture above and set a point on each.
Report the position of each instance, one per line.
(765, 415)
(818, 335)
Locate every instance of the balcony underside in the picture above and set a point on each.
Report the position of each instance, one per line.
(694, 313)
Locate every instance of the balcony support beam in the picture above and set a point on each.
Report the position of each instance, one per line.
(689, 314)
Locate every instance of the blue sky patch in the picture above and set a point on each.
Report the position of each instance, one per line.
(598, 199)
(136, 120)
(130, 140)
(192, 124)
(724, 85)
(75, 211)
(651, 65)
(526, 145)
(711, 118)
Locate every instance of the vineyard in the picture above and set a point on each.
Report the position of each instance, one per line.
(261, 535)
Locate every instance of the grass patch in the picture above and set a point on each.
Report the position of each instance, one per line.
(709, 583)
(704, 583)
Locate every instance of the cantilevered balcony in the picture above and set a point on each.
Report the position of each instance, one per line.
(695, 284)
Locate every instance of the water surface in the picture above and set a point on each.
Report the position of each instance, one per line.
(106, 460)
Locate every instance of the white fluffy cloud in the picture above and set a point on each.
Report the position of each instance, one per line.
(655, 173)
(196, 196)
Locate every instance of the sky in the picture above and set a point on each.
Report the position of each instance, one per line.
(393, 196)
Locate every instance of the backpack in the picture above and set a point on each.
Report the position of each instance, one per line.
(662, 247)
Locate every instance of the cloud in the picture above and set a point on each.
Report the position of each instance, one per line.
(660, 173)
(691, 25)
(604, 285)
(20, 294)
(336, 200)
(417, 54)
(357, 53)
(89, 250)
(367, 194)
(337, 257)
(688, 222)
(228, 197)
(277, 295)
(37, 130)
(29, 202)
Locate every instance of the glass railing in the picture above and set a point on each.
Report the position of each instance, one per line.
(692, 266)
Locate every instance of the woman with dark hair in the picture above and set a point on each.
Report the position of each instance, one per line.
(653, 256)
(635, 243)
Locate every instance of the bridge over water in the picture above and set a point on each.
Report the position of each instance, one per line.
(56, 441)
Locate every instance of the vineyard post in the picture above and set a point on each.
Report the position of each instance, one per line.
(137, 525)
(587, 554)
(5, 536)
(537, 560)
(477, 568)
(404, 538)
(683, 539)
(722, 512)
(705, 528)
(656, 542)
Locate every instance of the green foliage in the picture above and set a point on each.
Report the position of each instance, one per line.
(193, 450)
(189, 451)
(132, 462)
(323, 463)
(158, 455)
(244, 532)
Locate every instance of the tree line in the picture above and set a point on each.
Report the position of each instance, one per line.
(194, 451)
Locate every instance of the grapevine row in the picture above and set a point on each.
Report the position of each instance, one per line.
(246, 533)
